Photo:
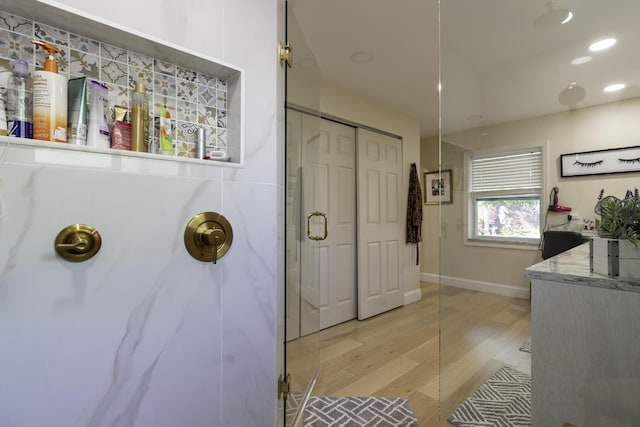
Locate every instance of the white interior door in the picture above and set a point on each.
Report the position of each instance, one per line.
(381, 228)
(310, 270)
(337, 173)
(334, 167)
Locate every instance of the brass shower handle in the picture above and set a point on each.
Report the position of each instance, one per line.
(208, 236)
(78, 242)
(213, 237)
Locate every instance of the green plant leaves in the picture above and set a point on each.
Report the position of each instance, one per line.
(619, 219)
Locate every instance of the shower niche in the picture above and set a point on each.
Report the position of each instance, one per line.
(197, 91)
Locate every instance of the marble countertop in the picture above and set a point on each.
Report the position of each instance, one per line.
(572, 266)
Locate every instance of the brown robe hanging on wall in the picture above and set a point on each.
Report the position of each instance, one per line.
(414, 211)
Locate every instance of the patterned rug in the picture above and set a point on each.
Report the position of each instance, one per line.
(504, 400)
(526, 347)
(293, 402)
(359, 412)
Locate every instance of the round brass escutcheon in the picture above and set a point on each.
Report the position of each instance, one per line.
(78, 242)
(208, 236)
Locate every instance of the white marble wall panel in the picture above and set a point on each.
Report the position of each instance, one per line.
(130, 337)
(252, 46)
(249, 308)
(144, 335)
(198, 25)
(249, 365)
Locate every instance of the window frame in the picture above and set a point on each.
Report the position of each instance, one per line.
(471, 198)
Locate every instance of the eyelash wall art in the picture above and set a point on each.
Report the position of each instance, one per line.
(601, 162)
(588, 164)
(630, 161)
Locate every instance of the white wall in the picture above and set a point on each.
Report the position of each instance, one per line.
(607, 126)
(343, 104)
(143, 334)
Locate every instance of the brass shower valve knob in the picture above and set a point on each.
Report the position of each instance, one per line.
(78, 242)
(208, 236)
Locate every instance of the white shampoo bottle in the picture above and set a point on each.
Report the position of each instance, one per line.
(49, 100)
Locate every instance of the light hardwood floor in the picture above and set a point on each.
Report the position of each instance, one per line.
(401, 354)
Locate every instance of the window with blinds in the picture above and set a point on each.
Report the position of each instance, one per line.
(505, 194)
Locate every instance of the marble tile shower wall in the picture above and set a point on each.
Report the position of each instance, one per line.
(193, 99)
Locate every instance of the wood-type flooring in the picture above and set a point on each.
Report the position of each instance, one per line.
(401, 354)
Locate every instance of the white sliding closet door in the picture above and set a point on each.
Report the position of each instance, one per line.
(335, 171)
(381, 229)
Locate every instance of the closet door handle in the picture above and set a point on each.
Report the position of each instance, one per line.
(324, 217)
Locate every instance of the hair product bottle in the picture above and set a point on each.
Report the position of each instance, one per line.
(49, 99)
(166, 142)
(19, 98)
(139, 119)
(77, 111)
(98, 118)
(201, 142)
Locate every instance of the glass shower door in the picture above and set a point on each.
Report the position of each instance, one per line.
(304, 226)
(515, 77)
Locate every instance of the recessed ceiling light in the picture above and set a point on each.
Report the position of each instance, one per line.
(602, 44)
(568, 18)
(361, 57)
(475, 117)
(581, 60)
(614, 87)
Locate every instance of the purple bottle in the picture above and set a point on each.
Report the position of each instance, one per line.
(19, 101)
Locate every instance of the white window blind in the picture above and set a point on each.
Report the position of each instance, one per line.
(519, 170)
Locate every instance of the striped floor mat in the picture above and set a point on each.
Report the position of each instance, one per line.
(359, 412)
(504, 400)
(526, 347)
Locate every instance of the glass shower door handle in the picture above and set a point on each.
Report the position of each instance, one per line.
(324, 218)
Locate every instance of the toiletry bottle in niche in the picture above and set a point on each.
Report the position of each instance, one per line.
(49, 99)
(3, 118)
(139, 119)
(201, 142)
(165, 131)
(98, 117)
(120, 129)
(77, 111)
(19, 99)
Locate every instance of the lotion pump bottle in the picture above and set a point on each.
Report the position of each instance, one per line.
(49, 99)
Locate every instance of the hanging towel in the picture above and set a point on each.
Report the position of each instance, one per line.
(414, 211)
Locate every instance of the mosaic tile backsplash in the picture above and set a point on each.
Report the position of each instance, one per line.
(193, 99)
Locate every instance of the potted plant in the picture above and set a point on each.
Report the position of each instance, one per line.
(616, 250)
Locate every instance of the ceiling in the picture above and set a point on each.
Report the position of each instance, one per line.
(499, 62)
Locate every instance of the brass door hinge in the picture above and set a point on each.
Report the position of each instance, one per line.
(284, 385)
(286, 55)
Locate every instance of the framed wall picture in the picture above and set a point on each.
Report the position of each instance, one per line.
(615, 160)
(437, 187)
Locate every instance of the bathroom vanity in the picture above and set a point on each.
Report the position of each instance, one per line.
(585, 344)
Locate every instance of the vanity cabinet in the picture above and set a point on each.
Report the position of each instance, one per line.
(585, 344)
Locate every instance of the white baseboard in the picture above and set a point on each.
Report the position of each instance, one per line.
(477, 285)
(414, 295)
(430, 277)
